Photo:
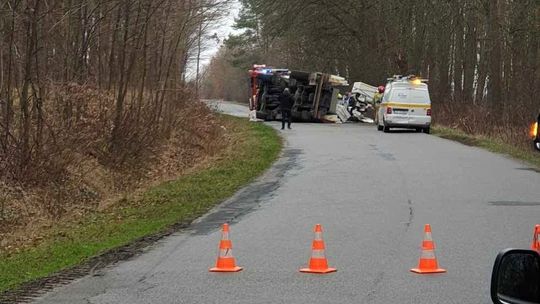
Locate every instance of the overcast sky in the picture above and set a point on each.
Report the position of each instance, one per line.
(222, 29)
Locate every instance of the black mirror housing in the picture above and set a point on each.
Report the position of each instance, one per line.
(516, 277)
(537, 139)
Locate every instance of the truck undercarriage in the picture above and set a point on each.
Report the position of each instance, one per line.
(315, 94)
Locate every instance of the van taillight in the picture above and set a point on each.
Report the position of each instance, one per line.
(389, 110)
(428, 112)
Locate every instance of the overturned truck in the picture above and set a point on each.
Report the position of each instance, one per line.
(315, 94)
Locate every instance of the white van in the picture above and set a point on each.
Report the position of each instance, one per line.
(405, 104)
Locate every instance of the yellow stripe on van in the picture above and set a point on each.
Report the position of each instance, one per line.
(406, 105)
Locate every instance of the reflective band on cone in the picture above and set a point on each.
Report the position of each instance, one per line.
(428, 240)
(428, 260)
(225, 261)
(318, 262)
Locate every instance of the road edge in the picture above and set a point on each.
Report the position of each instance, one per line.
(529, 157)
(29, 290)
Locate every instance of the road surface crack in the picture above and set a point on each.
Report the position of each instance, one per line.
(411, 216)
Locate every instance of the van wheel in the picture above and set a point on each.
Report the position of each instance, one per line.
(427, 130)
(379, 128)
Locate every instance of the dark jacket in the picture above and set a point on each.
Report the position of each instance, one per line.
(286, 101)
(352, 101)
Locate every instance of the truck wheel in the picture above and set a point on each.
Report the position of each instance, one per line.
(379, 128)
(261, 115)
(386, 129)
(427, 130)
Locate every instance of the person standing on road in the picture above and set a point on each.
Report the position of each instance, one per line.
(377, 99)
(285, 105)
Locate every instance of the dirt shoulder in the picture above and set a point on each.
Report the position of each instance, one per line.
(497, 145)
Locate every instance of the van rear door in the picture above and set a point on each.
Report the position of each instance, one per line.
(412, 102)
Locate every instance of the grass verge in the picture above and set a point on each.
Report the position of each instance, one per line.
(492, 144)
(254, 148)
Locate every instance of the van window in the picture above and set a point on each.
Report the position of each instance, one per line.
(410, 95)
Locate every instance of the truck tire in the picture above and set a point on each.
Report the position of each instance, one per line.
(306, 116)
(379, 128)
(311, 98)
(275, 90)
(300, 76)
(427, 130)
(261, 115)
(386, 129)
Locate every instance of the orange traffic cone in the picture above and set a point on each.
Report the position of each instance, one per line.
(225, 261)
(428, 261)
(318, 262)
(536, 239)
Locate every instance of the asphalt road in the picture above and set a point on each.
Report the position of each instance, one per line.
(229, 108)
(373, 193)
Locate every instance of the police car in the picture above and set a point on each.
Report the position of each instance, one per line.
(405, 104)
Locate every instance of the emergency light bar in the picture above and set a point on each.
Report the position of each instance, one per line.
(411, 78)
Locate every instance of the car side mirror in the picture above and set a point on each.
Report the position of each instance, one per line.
(537, 139)
(516, 277)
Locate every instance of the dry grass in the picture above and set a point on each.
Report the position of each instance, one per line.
(508, 125)
(251, 149)
(86, 179)
(504, 131)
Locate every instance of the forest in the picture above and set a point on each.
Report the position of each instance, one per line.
(481, 56)
(95, 99)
